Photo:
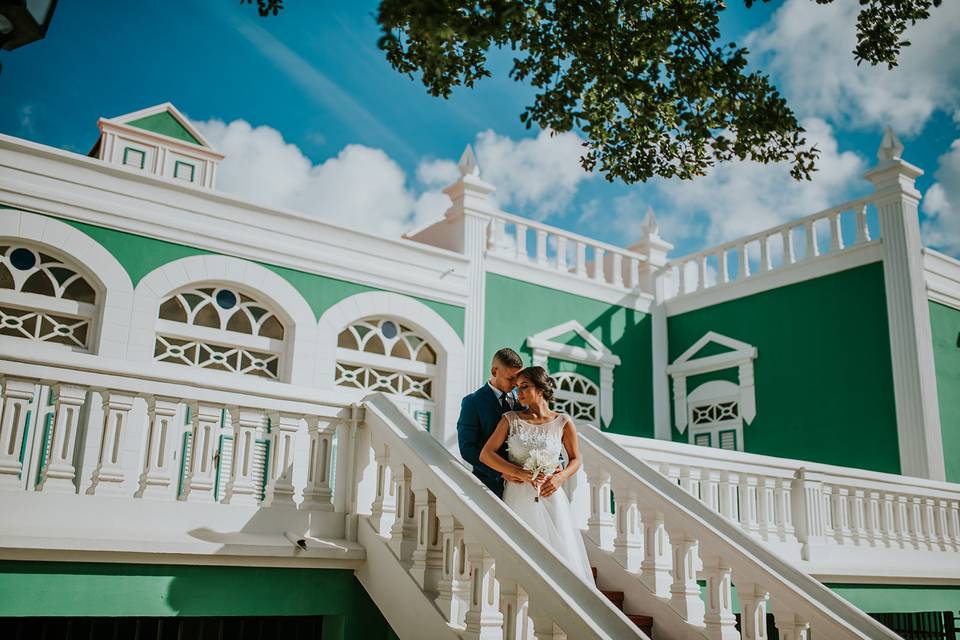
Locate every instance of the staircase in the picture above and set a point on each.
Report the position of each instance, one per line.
(616, 597)
(446, 559)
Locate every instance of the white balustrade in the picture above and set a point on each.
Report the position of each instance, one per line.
(774, 256)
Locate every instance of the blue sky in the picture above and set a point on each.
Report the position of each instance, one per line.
(329, 128)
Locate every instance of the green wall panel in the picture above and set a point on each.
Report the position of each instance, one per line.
(824, 379)
(140, 255)
(517, 309)
(879, 598)
(587, 371)
(945, 323)
(164, 124)
(93, 589)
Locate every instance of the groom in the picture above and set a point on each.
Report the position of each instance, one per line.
(481, 411)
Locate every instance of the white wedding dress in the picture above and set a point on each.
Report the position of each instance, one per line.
(550, 518)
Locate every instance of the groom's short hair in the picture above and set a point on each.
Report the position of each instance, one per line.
(507, 357)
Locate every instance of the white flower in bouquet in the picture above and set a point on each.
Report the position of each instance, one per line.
(541, 462)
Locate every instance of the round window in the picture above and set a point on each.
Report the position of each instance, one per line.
(23, 259)
(226, 299)
(389, 329)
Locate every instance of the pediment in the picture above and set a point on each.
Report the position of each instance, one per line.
(572, 338)
(165, 120)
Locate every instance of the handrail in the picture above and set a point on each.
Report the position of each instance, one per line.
(726, 551)
(498, 544)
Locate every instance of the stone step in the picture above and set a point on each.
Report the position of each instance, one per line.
(645, 623)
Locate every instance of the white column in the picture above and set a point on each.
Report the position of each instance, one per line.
(157, 473)
(108, 475)
(719, 619)
(279, 490)
(318, 495)
(908, 312)
(453, 588)
(58, 473)
(241, 486)
(483, 619)
(655, 567)
(427, 556)
(17, 395)
(201, 471)
(600, 525)
(685, 592)
(628, 543)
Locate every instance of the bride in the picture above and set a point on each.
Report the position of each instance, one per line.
(540, 503)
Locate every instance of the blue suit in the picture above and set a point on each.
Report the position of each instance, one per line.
(480, 412)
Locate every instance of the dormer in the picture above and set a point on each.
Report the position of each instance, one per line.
(159, 141)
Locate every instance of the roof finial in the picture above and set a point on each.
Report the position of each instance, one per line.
(468, 163)
(890, 147)
(649, 225)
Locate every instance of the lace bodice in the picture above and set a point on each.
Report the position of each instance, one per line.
(524, 436)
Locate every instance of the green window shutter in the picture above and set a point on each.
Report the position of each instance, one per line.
(47, 437)
(185, 451)
(702, 439)
(261, 464)
(728, 440)
(422, 417)
(224, 460)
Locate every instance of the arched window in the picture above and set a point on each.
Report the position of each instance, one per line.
(221, 328)
(577, 396)
(45, 298)
(715, 416)
(379, 354)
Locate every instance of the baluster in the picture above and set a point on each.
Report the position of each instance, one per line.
(766, 497)
(598, 264)
(279, 490)
(542, 247)
(859, 519)
(240, 487)
(108, 475)
(684, 591)
(810, 230)
(810, 508)
(499, 231)
(789, 257)
(829, 514)
(318, 494)
(681, 279)
(729, 495)
(719, 619)
(428, 556)
(521, 231)
(943, 524)
(863, 231)
(748, 505)
(600, 525)
(791, 626)
(384, 509)
(784, 510)
(199, 478)
(872, 514)
(743, 261)
(513, 607)
(916, 522)
(628, 543)
(17, 396)
(953, 518)
(701, 272)
(766, 260)
(724, 267)
(483, 620)
(633, 273)
(581, 259)
(890, 537)
(836, 234)
(903, 522)
(543, 625)
(689, 480)
(562, 254)
(157, 471)
(58, 473)
(453, 587)
(930, 524)
(403, 533)
(655, 566)
(753, 611)
(617, 267)
(841, 515)
(710, 490)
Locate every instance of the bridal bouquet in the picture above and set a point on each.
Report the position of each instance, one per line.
(541, 462)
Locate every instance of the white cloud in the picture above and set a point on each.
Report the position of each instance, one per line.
(941, 203)
(808, 49)
(741, 197)
(536, 177)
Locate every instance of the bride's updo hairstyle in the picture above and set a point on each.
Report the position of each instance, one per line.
(538, 377)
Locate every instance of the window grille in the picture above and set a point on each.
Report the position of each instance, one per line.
(577, 396)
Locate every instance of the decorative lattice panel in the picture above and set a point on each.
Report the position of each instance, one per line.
(577, 396)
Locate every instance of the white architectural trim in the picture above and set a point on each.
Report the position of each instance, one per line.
(741, 356)
(942, 277)
(166, 107)
(106, 274)
(291, 308)
(856, 256)
(449, 383)
(544, 346)
(67, 185)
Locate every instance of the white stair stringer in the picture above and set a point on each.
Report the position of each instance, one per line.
(662, 540)
(410, 612)
(413, 498)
